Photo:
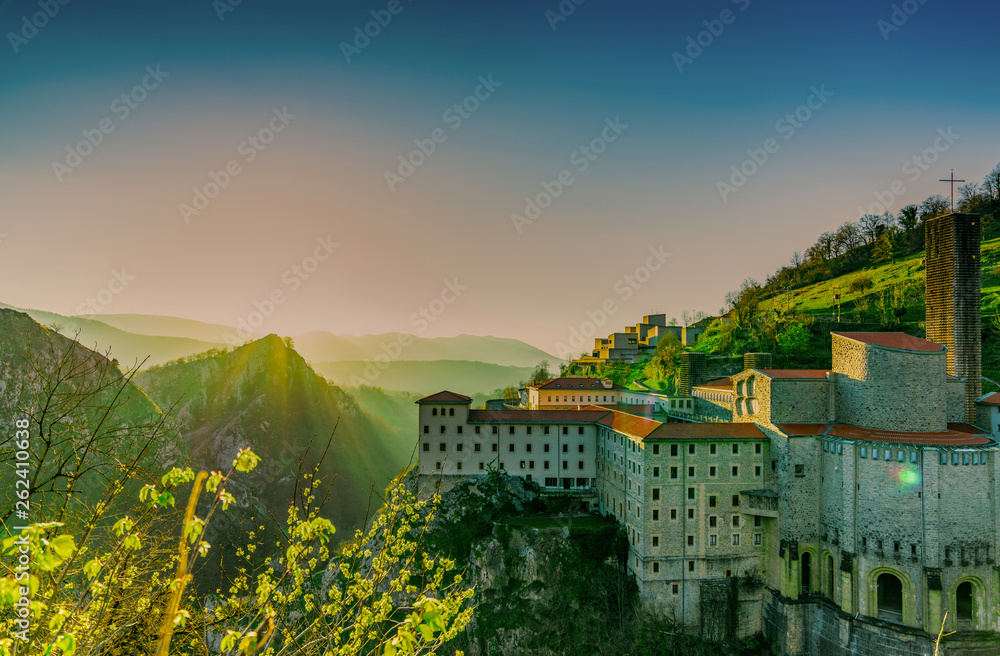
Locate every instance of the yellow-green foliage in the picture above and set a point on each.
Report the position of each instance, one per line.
(115, 590)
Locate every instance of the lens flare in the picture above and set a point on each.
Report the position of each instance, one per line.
(908, 477)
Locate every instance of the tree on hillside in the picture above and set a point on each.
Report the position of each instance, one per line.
(541, 372)
(991, 185)
(888, 247)
(666, 362)
(908, 217)
(933, 206)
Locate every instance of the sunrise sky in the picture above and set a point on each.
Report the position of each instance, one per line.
(216, 74)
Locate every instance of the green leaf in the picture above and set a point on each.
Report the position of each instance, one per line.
(63, 546)
(229, 641)
(246, 460)
(92, 568)
(67, 643)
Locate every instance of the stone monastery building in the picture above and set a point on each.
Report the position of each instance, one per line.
(840, 511)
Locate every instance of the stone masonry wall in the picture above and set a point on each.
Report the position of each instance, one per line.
(888, 389)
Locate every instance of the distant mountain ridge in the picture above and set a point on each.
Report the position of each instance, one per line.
(425, 377)
(158, 339)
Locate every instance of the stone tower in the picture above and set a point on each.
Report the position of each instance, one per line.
(953, 290)
(692, 371)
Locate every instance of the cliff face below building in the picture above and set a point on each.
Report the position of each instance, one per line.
(548, 581)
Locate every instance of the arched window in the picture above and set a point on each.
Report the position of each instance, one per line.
(805, 563)
(890, 597)
(831, 583)
(964, 604)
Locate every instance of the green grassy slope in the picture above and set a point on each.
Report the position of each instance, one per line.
(818, 299)
(426, 377)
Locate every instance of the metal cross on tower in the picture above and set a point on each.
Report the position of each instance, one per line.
(952, 180)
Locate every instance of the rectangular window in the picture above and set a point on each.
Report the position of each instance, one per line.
(675, 588)
(673, 449)
(550, 482)
(511, 447)
(656, 494)
(736, 521)
(691, 472)
(545, 430)
(711, 501)
(690, 513)
(580, 448)
(656, 515)
(736, 500)
(690, 449)
(864, 452)
(442, 430)
(965, 458)
(800, 471)
(527, 430)
(565, 448)
(713, 521)
(545, 448)
(757, 448)
(656, 540)
(522, 464)
(736, 539)
(437, 465)
(673, 472)
(477, 430)
(579, 430)
(545, 465)
(459, 466)
(580, 465)
(711, 471)
(756, 471)
(711, 449)
(496, 429)
(459, 429)
(758, 539)
(736, 471)
(565, 430)
(656, 472)
(528, 447)
(510, 429)
(690, 493)
(478, 447)
(459, 446)
(427, 429)
(481, 466)
(656, 449)
(757, 520)
(494, 447)
(565, 464)
(690, 540)
(427, 446)
(713, 540)
(874, 453)
(531, 464)
(736, 449)
(443, 447)
(673, 513)
(690, 565)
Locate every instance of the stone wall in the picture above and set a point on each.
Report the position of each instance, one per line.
(888, 389)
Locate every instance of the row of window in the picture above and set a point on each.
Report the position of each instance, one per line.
(451, 412)
(712, 449)
(713, 471)
(566, 399)
(477, 447)
(525, 464)
(496, 430)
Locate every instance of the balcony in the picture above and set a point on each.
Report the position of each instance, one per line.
(761, 503)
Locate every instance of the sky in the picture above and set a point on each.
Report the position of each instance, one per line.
(535, 170)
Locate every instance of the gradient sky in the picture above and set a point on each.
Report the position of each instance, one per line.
(323, 176)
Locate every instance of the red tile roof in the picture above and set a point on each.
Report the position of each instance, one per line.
(956, 435)
(724, 384)
(803, 374)
(623, 422)
(990, 399)
(575, 384)
(900, 341)
(445, 397)
(710, 431)
(801, 430)
(536, 416)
